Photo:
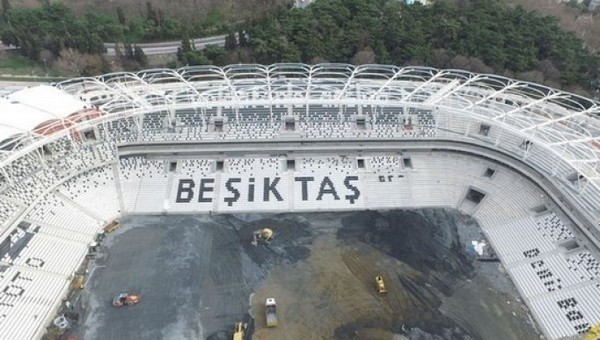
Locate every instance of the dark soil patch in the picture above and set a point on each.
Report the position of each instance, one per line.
(417, 238)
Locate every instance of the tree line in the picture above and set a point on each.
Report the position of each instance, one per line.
(53, 33)
(478, 35)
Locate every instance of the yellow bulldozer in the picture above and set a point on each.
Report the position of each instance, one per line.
(264, 235)
(380, 285)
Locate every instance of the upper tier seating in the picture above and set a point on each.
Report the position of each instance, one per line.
(253, 166)
(328, 165)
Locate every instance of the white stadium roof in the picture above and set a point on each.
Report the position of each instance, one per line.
(24, 110)
(48, 99)
(566, 123)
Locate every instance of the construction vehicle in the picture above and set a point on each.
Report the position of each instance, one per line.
(262, 235)
(112, 226)
(271, 312)
(125, 299)
(92, 251)
(380, 285)
(61, 322)
(593, 333)
(238, 331)
(78, 282)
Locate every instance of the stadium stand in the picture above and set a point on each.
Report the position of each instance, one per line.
(195, 167)
(87, 150)
(51, 210)
(252, 166)
(327, 165)
(27, 296)
(97, 186)
(143, 184)
(551, 225)
(384, 164)
(7, 211)
(51, 254)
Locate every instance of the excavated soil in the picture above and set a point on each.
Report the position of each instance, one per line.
(198, 275)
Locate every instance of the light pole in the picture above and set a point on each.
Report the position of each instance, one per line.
(45, 67)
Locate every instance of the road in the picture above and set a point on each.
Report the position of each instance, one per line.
(164, 47)
(170, 47)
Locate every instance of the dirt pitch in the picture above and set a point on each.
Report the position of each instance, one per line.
(198, 275)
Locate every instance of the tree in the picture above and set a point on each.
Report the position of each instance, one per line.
(242, 38)
(230, 41)
(198, 58)
(5, 7)
(186, 43)
(440, 58)
(366, 56)
(119, 53)
(129, 53)
(151, 14)
(139, 56)
(532, 76)
(102, 25)
(185, 47)
(460, 62)
(170, 28)
(181, 56)
(74, 63)
(53, 27)
(551, 73)
(214, 53)
(47, 58)
(121, 16)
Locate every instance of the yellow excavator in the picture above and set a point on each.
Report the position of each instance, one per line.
(238, 331)
(264, 235)
(593, 333)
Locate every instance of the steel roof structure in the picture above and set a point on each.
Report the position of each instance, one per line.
(565, 124)
(25, 110)
(554, 132)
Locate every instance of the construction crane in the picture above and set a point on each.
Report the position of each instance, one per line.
(262, 235)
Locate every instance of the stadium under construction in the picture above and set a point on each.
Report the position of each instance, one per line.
(424, 177)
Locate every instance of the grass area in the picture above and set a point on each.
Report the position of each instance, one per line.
(15, 67)
(12, 62)
(15, 64)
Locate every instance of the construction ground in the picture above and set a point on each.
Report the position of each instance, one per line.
(199, 275)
